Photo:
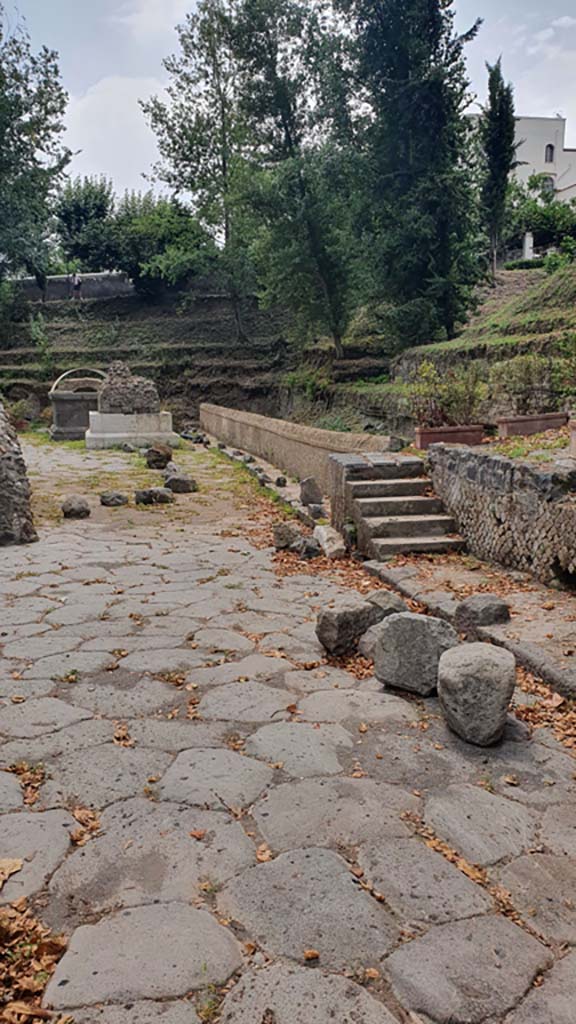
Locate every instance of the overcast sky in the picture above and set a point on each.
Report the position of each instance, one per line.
(111, 56)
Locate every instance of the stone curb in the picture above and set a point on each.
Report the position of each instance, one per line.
(442, 604)
(254, 468)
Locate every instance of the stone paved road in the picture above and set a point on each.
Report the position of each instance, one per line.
(276, 839)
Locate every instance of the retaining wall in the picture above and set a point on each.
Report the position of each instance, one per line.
(298, 450)
(108, 285)
(510, 512)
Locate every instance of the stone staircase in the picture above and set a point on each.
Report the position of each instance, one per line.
(396, 511)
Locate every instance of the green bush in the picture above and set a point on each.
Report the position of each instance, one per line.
(449, 398)
(536, 264)
(530, 382)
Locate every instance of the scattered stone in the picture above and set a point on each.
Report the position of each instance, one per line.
(483, 827)
(310, 493)
(106, 961)
(340, 627)
(481, 610)
(468, 971)
(179, 483)
(113, 499)
(281, 481)
(123, 393)
(408, 651)
(248, 459)
(16, 523)
(420, 885)
(475, 687)
(221, 445)
(307, 548)
(218, 779)
(154, 496)
(286, 535)
(286, 994)
(75, 507)
(170, 470)
(390, 604)
(158, 456)
(317, 511)
(41, 841)
(330, 541)
(336, 812)
(350, 535)
(309, 900)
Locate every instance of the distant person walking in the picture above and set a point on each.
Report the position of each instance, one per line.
(76, 287)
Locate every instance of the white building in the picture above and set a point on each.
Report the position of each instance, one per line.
(542, 150)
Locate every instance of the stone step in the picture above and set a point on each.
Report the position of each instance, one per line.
(389, 488)
(384, 467)
(408, 526)
(399, 506)
(387, 547)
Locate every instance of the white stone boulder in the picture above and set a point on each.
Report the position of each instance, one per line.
(408, 650)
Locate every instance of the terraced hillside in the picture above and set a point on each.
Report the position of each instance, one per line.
(192, 348)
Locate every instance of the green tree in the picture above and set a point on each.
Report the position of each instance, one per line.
(158, 243)
(498, 141)
(32, 157)
(84, 210)
(410, 69)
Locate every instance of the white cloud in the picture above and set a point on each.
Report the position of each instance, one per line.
(566, 22)
(544, 35)
(147, 19)
(108, 127)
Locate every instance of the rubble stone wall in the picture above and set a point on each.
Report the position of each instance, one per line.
(509, 512)
(298, 450)
(16, 524)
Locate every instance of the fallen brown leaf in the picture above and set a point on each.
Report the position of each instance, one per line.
(8, 868)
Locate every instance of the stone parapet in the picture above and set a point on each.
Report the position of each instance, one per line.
(510, 512)
(298, 450)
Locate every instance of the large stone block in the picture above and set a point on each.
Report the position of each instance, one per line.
(475, 686)
(408, 649)
(340, 627)
(16, 523)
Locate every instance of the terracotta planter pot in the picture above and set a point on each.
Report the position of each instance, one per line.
(524, 426)
(573, 438)
(470, 434)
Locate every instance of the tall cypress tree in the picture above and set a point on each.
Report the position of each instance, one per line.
(498, 139)
(410, 66)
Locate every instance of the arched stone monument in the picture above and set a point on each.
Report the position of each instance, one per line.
(129, 412)
(73, 398)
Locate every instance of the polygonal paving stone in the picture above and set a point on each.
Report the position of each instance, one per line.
(215, 778)
(285, 994)
(223, 641)
(32, 648)
(179, 1012)
(123, 698)
(349, 705)
(10, 792)
(179, 659)
(324, 678)
(177, 735)
(559, 829)
(158, 952)
(58, 666)
(41, 841)
(420, 885)
(308, 899)
(30, 688)
(245, 702)
(332, 812)
(256, 666)
(100, 775)
(408, 759)
(37, 717)
(552, 1002)
(294, 647)
(148, 854)
(482, 827)
(543, 889)
(86, 734)
(465, 972)
(303, 750)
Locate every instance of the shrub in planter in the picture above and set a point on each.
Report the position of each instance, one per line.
(445, 405)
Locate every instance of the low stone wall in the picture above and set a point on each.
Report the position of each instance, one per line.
(299, 451)
(107, 285)
(510, 512)
(16, 525)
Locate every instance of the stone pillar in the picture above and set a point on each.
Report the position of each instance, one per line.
(16, 524)
(528, 250)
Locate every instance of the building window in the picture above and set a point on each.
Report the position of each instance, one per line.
(550, 154)
(548, 185)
